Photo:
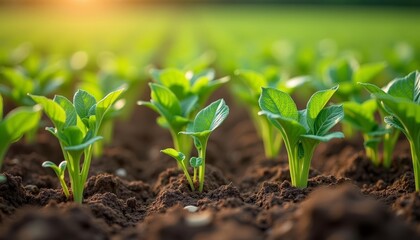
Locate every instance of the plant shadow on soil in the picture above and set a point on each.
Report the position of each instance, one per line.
(134, 192)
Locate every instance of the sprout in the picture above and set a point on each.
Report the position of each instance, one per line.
(205, 122)
(301, 130)
(401, 101)
(76, 126)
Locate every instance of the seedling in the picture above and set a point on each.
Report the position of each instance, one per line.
(76, 126)
(14, 125)
(247, 88)
(60, 171)
(301, 130)
(176, 97)
(401, 100)
(189, 85)
(18, 82)
(347, 73)
(362, 117)
(99, 85)
(205, 122)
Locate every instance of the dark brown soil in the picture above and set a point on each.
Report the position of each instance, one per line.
(135, 192)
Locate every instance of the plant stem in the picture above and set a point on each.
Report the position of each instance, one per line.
(195, 175)
(202, 168)
(3, 149)
(64, 187)
(182, 143)
(271, 140)
(73, 167)
(415, 154)
(372, 151)
(187, 175)
(309, 148)
(390, 139)
(292, 158)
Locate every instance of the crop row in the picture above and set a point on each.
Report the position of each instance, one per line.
(84, 124)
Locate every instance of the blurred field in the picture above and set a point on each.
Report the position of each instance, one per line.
(180, 34)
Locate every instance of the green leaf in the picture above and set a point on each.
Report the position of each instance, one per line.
(71, 115)
(395, 123)
(361, 116)
(49, 164)
(316, 103)
(327, 119)
(173, 79)
(188, 105)
(371, 88)
(279, 103)
(83, 101)
(103, 106)
(407, 87)
(179, 156)
(196, 162)
(372, 143)
(367, 72)
(209, 118)
(18, 122)
(83, 145)
(62, 166)
(341, 71)
(290, 129)
(252, 79)
(326, 137)
(165, 100)
(53, 110)
(59, 170)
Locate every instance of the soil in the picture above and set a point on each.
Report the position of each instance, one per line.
(134, 192)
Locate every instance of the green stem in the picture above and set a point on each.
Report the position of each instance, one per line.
(309, 148)
(390, 139)
(415, 154)
(195, 175)
(3, 150)
(86, 163)
(73, 166)
(202, 168)
(292, 157)
(182, 143)
(271, 139)
(372, 151)
(64, 186)
(187, 175)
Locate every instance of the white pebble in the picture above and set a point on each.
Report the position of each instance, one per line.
(121, 172)
(199, 219)
(191, 208)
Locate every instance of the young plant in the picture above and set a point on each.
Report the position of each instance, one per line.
(361, 116)
(301, 130)
(99, 85)
(76, 126)
(247, 88)
(14, 125)
(401, 100)
(176, 97)
(18, 82)
(60, 171)
(205, 122)
(347, 72)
